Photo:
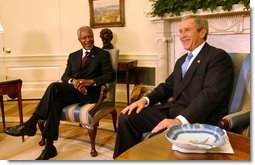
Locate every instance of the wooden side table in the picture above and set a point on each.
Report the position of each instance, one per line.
(127, 65)
(11, 87)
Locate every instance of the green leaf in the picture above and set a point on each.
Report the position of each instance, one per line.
(175, 7)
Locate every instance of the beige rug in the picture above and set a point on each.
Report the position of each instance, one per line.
(69, 147)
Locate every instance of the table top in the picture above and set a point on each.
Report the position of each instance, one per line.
(125, 64)
(128, 61)
(159, 148)
(8, 79)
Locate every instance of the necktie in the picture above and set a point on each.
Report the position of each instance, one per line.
(85, 57)
(186, 63)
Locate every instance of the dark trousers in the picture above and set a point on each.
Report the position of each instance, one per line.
(131, 127)
(56, 97)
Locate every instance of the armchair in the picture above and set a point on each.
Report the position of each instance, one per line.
(238, 119)
(89, 115)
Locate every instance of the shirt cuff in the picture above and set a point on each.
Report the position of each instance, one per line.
(148, 101)
(70, 81)
(182, 119)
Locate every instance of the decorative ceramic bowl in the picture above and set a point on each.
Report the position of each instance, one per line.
(196, 136)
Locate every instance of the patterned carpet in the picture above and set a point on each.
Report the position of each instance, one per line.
(73, 143)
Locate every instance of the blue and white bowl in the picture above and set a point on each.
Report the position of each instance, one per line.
(196, 136)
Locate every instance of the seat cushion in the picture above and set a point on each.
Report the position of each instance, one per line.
(77, 113)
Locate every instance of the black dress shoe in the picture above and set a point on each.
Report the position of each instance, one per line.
(48, 153)
(20, 130)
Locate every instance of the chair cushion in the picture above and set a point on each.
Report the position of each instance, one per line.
(77, 113)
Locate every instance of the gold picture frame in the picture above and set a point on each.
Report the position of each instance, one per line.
(106, 13)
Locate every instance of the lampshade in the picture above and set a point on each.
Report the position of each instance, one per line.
(1, 28)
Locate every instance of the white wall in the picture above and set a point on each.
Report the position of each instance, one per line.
(49, 27)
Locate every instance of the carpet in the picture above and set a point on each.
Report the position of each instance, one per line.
(70, 145)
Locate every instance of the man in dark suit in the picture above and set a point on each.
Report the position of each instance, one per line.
(81, 82)
(201, 95)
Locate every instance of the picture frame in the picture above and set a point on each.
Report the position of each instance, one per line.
(106, 13)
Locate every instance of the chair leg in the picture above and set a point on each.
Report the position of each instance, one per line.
(114, 119)
(92, 135)
(41, 127)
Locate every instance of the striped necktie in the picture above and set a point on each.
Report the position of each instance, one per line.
(186, 63)
(85, 57)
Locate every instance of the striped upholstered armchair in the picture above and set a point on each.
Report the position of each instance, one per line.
(89, 115)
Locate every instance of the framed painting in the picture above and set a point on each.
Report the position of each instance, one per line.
(106, 13)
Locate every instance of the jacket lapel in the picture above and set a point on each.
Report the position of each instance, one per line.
(191, 71)
(79, 60)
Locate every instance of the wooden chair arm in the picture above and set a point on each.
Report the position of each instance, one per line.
(239, 119)
(101, 98)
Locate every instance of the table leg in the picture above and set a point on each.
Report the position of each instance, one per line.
(127, 85)
(20, 110)
(136, 77)
(2, 109)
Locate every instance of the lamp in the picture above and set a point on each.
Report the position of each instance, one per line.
(1, 28)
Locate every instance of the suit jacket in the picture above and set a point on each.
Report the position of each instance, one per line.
(203, 94)
(98, 67)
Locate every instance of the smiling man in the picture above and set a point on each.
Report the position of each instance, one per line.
(200, 87)
(86, 71)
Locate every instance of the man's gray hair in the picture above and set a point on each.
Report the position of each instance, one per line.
(82, 28)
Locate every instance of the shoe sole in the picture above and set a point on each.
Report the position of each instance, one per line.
(29, 134)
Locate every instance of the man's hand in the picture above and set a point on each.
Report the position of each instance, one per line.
(82, 89)
(80, 85)
(86, 82)
(166, 124)
(138, 104)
